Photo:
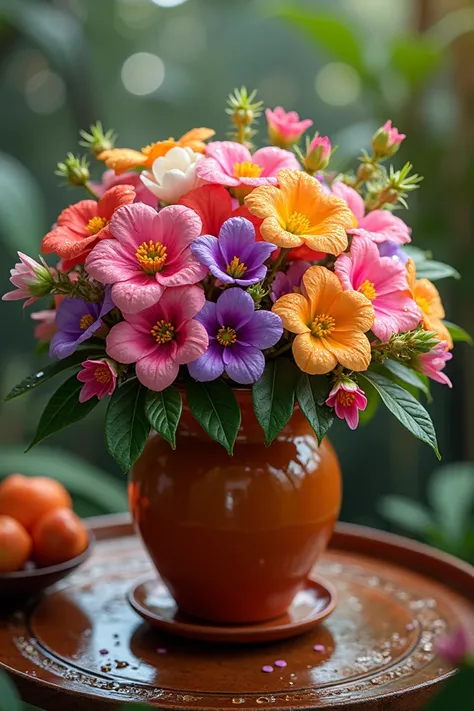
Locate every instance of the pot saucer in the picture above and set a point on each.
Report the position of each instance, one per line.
(152, 601)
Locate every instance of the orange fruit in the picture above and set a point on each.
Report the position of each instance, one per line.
(58, 536)
(15, 545)
(29, 498)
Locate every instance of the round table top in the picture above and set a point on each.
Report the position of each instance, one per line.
(82, 645)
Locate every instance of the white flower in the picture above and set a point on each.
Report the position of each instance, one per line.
(173, 175)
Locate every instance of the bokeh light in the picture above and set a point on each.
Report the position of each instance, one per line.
(45, 92)
(143, 73)
(183, 38)
(168, 3)
(338, 84)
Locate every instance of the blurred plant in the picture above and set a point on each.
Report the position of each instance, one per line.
(244, 111)
(449, 523)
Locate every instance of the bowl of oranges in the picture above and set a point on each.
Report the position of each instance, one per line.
(41, 538)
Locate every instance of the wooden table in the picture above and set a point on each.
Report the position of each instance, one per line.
(82, 648)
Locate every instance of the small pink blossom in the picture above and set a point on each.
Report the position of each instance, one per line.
(433, 363)
(383, 281)
(32, 280)
(99, 378)
(150, 252)
(386, 141)
(162, 337)
(285, 129)
(454, 647)
(347, 399)
(230, 163)
(379, 225)
(46, 327)
(110, 180)
(318, 153)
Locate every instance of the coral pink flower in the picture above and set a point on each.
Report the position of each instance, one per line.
(99, 378)
(162, 337)
(214, 206)
(81, 226)
(379, 225)
(110, 180)
(232, 164)
(285, 129)
(383, 281)
(347, 399)
(31, 279)
(149, 253)
(433, 362)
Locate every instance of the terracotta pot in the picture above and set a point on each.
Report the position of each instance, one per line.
(234, 538)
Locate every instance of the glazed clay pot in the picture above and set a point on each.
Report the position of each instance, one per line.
(234, 538)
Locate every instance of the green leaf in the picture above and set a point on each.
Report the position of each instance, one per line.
(407, 375)
(42, 376)
(429, 269)
(456, 693)
(415, 58)
(9, 697)
(458, 333)
(373, 400)
(163, 411)
(20, 229)
(274, 396)
(63, 410)
(409, 515)
(312, 392)
(126, 424)
(214, 406)
(451, 494)
(406, 409)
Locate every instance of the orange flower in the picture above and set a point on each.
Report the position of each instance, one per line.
(428, 299)
(298, 212)
(330, 324)
(122, 159)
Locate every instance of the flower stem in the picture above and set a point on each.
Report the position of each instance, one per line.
(276, 265)
(91, 191)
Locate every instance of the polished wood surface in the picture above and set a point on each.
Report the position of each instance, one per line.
(82, 648)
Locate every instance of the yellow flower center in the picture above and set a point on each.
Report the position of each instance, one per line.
(236, 268)
(247, 170)
(297, 224)
(96, 224)
(367, 288)
(423, 303)
(346, 398)
(151, 256)
(322, 326)
(226, 336)
(86, 321)
(163, 332)
(102, 374)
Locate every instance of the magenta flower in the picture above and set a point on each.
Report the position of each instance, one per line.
(379, 225)
(318, 154)
(161, 338)
(290, 281)
(432, 363)
(99, 378)
(382, 280)
(386, 141)
(32, 280)
(285, 129)
(235, 257)
(232, 164)
(237, 335)
(149, 253)
(454, 647)
(347, 399)
(110, 180)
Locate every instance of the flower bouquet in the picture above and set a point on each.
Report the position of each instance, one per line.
(197, 268)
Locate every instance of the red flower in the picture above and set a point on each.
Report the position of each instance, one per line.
(81, 226)
(213, 204)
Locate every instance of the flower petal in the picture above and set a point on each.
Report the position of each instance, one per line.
(311, 355)
(294, 311)
(351, 310)
(351, 196)
(234, 308)
(192, 342)
(244, 364)
(114, 198)
(137, 294)
(350, 348)
(273, 159)
(185, 270)
(133, 225)
(209, 366)
(110, 262)
(158, 370)
(236, 239)
(126, 345)
(263, 330)
(212, 203)
(322, 287)
(206, 250)
(176, 226)
(210, 170)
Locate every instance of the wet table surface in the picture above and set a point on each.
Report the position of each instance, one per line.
(81, 647)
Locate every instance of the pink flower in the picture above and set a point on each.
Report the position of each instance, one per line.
(318, 154)
(109, 180)
(232, 164)
(379, 225)
(347, 399)
(386, 141)
(99, 378)
(150, 252)
(162, 337)
(454, 647)
(46, 327)
(32, 280)
(433, 362)
(382, 280)
(285, 129)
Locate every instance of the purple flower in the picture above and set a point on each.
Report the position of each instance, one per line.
(234, 258)
(237, 335)
(77, 320)
(393, 250)
(290, 281)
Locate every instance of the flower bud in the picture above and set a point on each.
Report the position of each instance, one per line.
(74, 169)
(257, 292)
(31, 279)
(285, 129)
(98, 140)
(365, 171)
(318, 154)
(386, 141)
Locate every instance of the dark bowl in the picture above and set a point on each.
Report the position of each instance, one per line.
(30, 582)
